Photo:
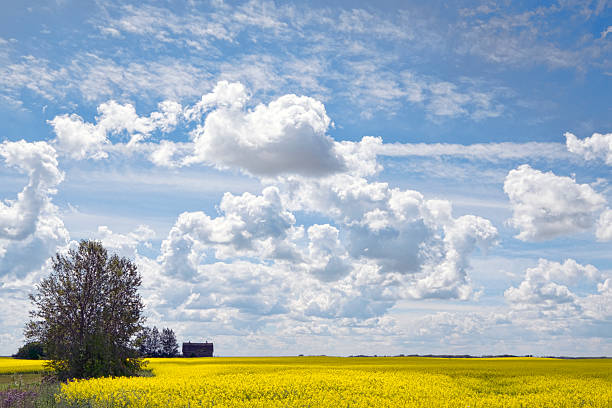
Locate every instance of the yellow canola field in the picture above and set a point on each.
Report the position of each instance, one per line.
(353, 382)
(10, 365)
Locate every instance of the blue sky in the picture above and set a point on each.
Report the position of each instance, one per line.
(319, 178)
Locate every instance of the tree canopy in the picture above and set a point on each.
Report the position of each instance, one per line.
(32, 350)
(153, 343)
(87, 313)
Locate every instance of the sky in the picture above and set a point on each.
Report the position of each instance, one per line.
(318, 177)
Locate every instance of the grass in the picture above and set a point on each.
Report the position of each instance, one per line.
(27, 390)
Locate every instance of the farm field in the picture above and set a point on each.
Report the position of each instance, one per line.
(10, 365)
(353, 382)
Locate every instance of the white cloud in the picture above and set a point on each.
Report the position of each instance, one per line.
(328, 257)
(545, 286)
(224, 95)
(479, 151)
(598, 146)
(420, 250)
(96, 78)
(78, 139)
(30, 227)
(517, 38)
(376, 87)
(125, 244)
(192, 29)
(380, 245)
(448, 278)
(256, 226)
(82, 140)
(598, 306)
(363, 22)
(18, 218)
(547, 206)
(286, 136)
(604, 226)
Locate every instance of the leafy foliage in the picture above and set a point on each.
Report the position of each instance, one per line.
(87, 313)
(169, 346)
(32, 350)
(152, 343)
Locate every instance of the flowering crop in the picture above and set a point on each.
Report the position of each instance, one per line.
(12, 365)
(353, 382)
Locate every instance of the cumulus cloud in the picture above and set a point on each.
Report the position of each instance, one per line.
(38, 160)
(596, 147)
(377, 245)
(250, 226)
(328, 257)
(82, 140)
(417, 247)
(448, 278)
(235, 292)
(598, 305)
(546, 285)
(547, 206)
(30, 227)
(604, 226)
(224, 95)
(286, 136)
(380, 245)
(125, 244)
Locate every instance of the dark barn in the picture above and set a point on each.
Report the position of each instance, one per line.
(197, 349)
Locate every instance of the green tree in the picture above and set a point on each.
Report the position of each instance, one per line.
(87, 314)
(153, 343)
(169, 346)
(32, 350)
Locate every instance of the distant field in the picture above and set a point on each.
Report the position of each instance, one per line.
(10, 365)
(354, 382)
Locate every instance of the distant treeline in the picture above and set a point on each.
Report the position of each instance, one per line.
(153, 343)
(150, 343)
(33, 350)
(484, 356)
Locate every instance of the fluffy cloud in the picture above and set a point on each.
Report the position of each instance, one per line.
(417, 247)
(328, 257)
(604, 226)
(377, 245)
(381, 245)
(598, 306)
(30, 228)
(18, 218)
(231, 293)
(544, 286)
(225, 95)
(546, 206)
(598, 146)
(286, 136)
(448, 278)
(251, 226)
(125, 244)
(83, 140)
